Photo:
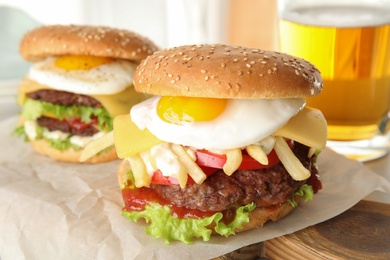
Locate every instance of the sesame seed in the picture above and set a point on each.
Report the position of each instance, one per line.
(206, 78)
(223, 65)
(170, 75)
(297, 72)
(263, 62)
(203, 71)
(173, 81)
(240, 73)
(235, 60)
(261, 75)
(274, 69)
(248, 65)
(269, 71)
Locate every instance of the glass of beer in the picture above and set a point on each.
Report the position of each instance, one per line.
(349, 42)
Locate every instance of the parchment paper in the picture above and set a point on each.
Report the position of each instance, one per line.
(54, 210)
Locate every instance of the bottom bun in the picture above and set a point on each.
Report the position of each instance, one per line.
(257, 218)
(43, 147)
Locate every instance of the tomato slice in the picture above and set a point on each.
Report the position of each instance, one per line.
(206, 158)
(77, 124)
(159, 178)
(210, 162)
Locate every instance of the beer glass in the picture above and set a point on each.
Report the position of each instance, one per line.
(349, 42)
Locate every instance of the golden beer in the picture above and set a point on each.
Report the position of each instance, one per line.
(354, 61)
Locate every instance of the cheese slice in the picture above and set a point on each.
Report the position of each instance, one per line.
(116, 104)
(308, 127)
(129, 139)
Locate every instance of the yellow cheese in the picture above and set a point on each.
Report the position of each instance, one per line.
(129, 139)
(116, 104)
(308, 127)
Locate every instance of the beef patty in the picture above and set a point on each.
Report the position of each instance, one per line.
(67, 99)
(63, 98)
(54, 124)
(265, 187)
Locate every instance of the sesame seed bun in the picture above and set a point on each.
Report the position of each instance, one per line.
(223, 71)
(57, 40)
(43, 147)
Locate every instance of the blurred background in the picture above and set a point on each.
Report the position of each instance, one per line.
(167, 22)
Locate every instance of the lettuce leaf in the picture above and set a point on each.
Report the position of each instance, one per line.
(305, 191)
(33, 109)
(185, 230)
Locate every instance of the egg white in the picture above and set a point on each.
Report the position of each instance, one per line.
(243, 122)
(105, 79)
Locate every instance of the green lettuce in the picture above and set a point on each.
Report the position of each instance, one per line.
(33, 109)
(305, 191)
(185, 230)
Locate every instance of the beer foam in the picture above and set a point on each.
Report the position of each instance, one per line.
(338, 15)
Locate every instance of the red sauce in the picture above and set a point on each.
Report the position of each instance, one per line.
(315, 182)
(137, 199)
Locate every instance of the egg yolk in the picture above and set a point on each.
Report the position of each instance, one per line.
(178, 110)
(80, 62)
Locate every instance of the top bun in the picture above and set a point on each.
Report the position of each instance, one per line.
(223, 71)
(57, 40)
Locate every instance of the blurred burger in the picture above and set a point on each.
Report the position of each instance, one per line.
(81, 78)
(225, 145)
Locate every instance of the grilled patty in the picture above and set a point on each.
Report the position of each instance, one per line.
(63, 98)
(67, 99)
(54, 124)
(265, 187)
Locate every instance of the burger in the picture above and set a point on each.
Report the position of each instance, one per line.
(225, 144)
(81, 78)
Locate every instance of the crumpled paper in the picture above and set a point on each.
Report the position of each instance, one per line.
(56, 210)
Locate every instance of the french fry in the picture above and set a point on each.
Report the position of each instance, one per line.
(194, 170)
(233, 161)
(141, 177)
(96, 146)
(257, 153)
(293, 166)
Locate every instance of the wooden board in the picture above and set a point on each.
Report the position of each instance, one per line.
(362, 232)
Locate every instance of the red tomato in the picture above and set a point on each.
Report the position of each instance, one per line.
(206, 158)
(77, 124)
(210, 163)
(159, 178)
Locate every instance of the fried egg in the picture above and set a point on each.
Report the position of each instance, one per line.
(84, 74)
(214, 124)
